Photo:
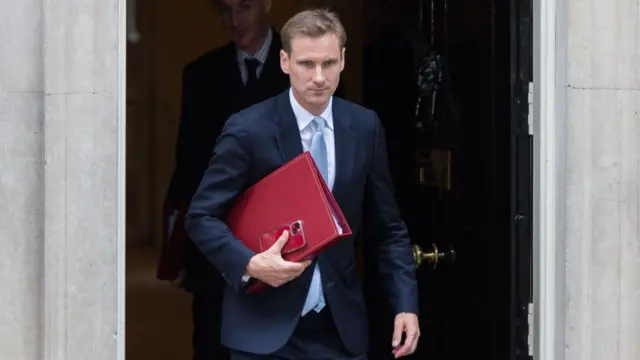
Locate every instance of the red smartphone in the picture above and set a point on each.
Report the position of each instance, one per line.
(296, 240)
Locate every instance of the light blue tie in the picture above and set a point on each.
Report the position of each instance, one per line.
(315, 297)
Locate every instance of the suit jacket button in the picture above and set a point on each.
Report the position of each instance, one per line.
(329, 285)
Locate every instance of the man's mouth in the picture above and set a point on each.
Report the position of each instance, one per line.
(239, 33)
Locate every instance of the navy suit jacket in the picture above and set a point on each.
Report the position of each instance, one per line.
(257, 141)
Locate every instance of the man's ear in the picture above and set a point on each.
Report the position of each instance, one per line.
(267, 5)
(342, 60)
(284, 62)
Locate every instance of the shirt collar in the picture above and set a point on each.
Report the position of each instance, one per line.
(262, 53)
(304, 118)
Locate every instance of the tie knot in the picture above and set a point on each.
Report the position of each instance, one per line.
(319, 122)
(252, 64)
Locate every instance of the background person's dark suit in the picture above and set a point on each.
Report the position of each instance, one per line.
(257, 141)
(212, 90)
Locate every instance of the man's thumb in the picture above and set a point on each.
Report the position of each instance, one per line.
(279, 244)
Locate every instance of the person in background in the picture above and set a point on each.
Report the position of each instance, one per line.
(217, 84)
(315, 309)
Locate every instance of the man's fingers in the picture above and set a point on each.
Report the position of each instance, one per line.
(415, 345)
(279, 244)
(294, 269)
(287, 271)
(398, 328)
(278, 283)
(410, 340)
(299, 269)
(409, 345)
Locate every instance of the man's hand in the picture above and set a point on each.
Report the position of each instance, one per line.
(271, 268)
(407, 324)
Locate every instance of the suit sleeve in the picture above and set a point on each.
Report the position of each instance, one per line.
(186, 152)
(395, 257)
(225, 178)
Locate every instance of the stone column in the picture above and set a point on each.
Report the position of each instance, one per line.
(21, 181)
(60, 95)
(602, 179)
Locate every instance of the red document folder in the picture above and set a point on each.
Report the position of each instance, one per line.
(296, 192)
(171, 262)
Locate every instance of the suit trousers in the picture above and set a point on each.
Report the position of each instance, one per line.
(314, 338)
(207, 319)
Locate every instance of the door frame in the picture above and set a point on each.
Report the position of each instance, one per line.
(549, 57)
(121, 155)
(549, 61)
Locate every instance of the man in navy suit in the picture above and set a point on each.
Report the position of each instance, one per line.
(315, 310)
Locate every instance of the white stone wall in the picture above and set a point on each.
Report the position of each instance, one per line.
(59, 90)
(602, 179)
(21, 179)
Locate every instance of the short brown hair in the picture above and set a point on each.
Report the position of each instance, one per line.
(312, 23)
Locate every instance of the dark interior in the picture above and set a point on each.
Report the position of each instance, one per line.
(466, 303)
(468, 307)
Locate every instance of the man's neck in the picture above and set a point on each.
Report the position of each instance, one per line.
(315, 110)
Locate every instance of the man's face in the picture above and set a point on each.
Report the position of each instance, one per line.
(245, 21)
(314, 68)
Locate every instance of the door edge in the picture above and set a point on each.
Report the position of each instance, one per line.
(548, 241)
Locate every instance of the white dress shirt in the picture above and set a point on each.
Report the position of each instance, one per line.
(307, 128)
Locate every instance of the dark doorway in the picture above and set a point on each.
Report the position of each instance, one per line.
(473, 305)
(458, 152)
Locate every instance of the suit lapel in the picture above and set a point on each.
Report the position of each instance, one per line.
(345, 145)
(288, 137)
(234, 71)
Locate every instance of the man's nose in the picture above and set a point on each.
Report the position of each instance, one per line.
(234, 19)
(319, 75)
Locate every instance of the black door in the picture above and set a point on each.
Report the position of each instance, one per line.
(521, 176)
(461, 169)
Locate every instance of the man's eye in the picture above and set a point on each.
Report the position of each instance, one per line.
(328, 64)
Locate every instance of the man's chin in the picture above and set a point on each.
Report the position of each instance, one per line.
(318, 100)
(320, 95)
(241, 41)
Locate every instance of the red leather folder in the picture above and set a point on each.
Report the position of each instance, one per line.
(293, 194)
